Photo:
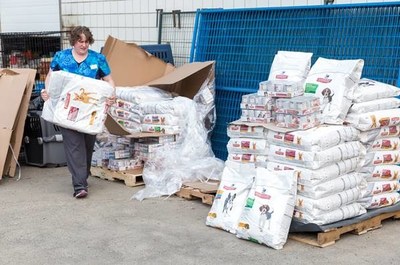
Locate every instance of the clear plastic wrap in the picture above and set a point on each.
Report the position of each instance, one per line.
(191, 159)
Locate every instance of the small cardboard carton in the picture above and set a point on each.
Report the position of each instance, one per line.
(16, 88)
(132, 66)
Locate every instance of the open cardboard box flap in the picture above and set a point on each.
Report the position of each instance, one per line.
(132, 66)
(185, 80)
(16, 88)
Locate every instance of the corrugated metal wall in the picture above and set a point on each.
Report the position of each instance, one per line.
(136, 20)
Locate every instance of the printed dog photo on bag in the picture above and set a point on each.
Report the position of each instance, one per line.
(228, 203)
(327, 97)
(265, 216)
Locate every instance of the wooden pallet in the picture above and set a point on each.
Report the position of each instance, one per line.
(328, 238)
(131, 178)
(199, 190)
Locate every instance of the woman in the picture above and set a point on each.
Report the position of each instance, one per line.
(80, 60)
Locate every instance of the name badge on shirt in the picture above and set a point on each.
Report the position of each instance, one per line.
(93, 66)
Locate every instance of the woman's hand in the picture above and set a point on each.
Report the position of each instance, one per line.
(110, 101)
(44, 94)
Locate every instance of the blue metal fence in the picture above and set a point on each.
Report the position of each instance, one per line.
(243, 42)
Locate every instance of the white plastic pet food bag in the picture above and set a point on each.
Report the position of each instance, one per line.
(379, 187)
(77, 102)
(315, 139)
(382, 158)
(140, 94)
(389, 143)
(367, 90)
(315, 160)
(269, 208)
(342, 213)
(380, 200)
(339, 184)
(311, 177)
(247, 130)
(287, 74)
(333, 82)
(291, 66)
(382, 132)
(375, 105)
(373, 120)
(247, 146)
(231, 195)
(383, 172)
(328, 203)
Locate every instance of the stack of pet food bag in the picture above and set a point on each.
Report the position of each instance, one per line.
(376, 113)
(139, 109)
(311, 165)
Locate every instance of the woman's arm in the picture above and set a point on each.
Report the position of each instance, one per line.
(110, 100)
(43, 92)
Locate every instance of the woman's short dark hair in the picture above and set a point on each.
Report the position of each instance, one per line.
(77, 32)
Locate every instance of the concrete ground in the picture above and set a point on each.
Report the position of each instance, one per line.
(41, 223)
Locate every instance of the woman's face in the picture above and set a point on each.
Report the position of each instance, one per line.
(81, 47)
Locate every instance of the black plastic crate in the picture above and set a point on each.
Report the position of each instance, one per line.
(43, 145)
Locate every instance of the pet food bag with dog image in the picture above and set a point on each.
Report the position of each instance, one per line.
(333, 82)
(236, 181)
(269, 208)
(77, 102)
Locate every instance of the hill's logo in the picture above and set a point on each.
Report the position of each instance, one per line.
(324, 80)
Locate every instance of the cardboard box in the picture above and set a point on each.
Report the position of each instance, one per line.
(133, 66)
(16, 88)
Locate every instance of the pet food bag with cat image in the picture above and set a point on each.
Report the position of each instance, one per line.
(231, 195)
(77, 102)
(287, 74)
(368, 90)
(333, 82)
(268, 212)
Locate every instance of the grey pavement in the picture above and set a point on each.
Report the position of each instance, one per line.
(41, 223)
